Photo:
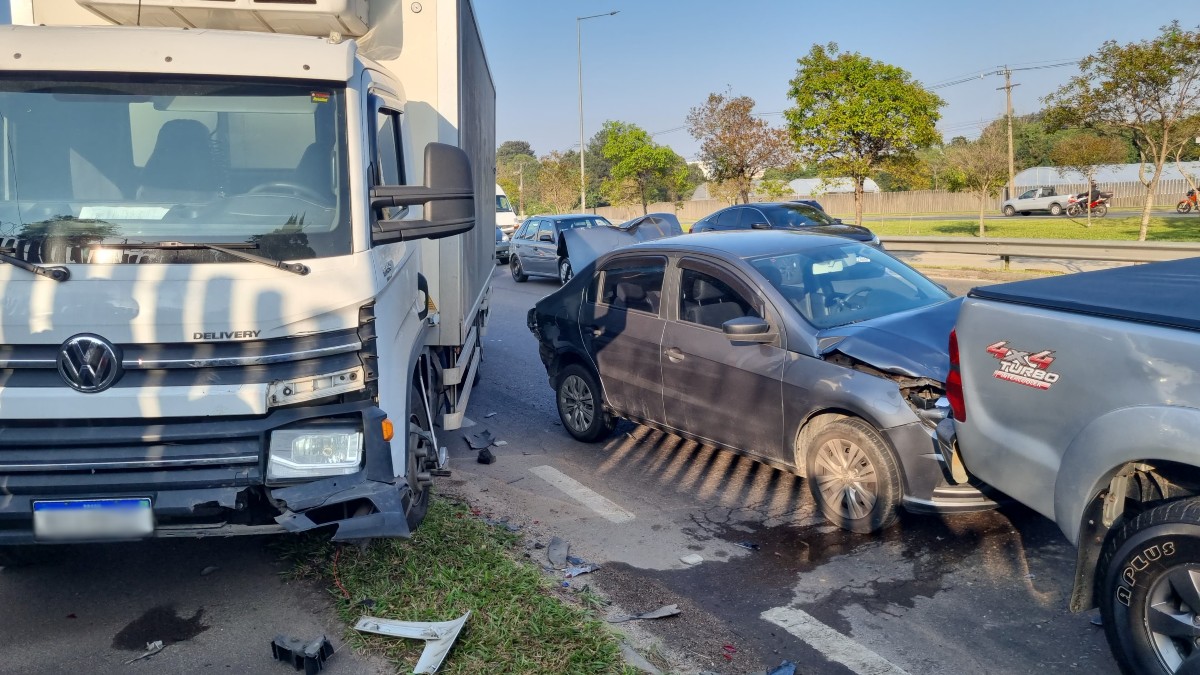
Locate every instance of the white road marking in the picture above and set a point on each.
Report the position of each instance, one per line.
(830, 643)
(583, 494)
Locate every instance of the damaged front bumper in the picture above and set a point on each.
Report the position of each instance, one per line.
(202, 478)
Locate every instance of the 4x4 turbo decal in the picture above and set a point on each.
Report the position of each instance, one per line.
(1028, 368)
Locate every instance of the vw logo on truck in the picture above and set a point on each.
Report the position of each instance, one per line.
(89, 363)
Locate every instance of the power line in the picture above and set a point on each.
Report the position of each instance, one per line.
(999, 71)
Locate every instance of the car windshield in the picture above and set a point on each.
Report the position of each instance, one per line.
(503, 205)
(846, 283)
(573, 223)
(798, 215)
(140, 162)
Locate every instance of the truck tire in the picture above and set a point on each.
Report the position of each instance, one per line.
(1010, 211)
(418, 454)
(514, 266)
(1056, 209)
(854, 476)
(1149, 590)
(581, 405)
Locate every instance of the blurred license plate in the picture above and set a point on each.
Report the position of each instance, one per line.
(93, 519)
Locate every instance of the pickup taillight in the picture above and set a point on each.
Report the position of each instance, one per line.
(954, 390)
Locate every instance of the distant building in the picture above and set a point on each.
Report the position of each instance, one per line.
(809, 187)
(1117, 173)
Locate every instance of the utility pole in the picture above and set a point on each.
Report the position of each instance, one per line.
(579, 60)
(1008, 87)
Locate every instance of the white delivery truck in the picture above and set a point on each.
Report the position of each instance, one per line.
(245, 259)
(506, 218)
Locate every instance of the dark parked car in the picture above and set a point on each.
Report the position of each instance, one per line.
(502, 245)
(782, 216)
(811, 353)
(534, 249)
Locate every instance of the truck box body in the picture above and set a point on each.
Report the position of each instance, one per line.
(216, 286)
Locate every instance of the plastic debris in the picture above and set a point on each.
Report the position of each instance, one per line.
(785, 668)
(728, 651)
(208, 570)
(583, 569)
(491, 414)
(481, 440)
(636, 660)
(1096, 619)
(500, 444)
(556, 552)
(664, 611)
(691, 559)
(748, 545)
(152, 648)
(485, 457)
(575, 560)
(309, 657)
(438, 636)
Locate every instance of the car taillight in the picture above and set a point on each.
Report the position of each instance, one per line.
(954, 390)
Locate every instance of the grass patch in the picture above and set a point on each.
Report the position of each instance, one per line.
(1170, 228)
(520, 622)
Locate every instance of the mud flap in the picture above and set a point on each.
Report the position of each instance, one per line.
(387, 520)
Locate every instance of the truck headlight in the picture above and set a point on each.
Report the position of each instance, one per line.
(315, 451)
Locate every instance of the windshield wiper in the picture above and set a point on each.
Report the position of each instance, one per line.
(231, 249)
(56, 272)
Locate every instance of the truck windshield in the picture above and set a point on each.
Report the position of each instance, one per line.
(503, 205)
(85, 163)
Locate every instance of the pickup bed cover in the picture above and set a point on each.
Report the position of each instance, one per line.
(1165, 293)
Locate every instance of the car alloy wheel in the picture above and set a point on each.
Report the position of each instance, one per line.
(578, 403)
(581, 405)
(846, 478)
(854, 476)
(514, 266)
(564, 271)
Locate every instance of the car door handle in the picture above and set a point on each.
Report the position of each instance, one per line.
(674, 354)
(596, 331)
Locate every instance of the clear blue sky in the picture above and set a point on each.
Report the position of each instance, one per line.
(657, 59)
(654, 60)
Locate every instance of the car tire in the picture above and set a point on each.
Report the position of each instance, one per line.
(581, 405)
(514, 266)
(564, 270)
(419, 454)
(854, 476)
(1056, 209)
(1147, 588)
(1010, 211)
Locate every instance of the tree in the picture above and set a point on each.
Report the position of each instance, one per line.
(510, 149)
(1148, 87)
(734, 144)
(558, 180)
(598, 168)
(853, 113)
(1087, 154)
(518, 175)
(980, 167)
(640, 167)
(773, 189)
(1187, 148)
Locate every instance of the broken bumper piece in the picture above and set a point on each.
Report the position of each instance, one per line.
(307, 507)
(439, 636)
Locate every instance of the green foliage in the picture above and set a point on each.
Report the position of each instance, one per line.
(790, 172)
(772, 189)
(853, 113)
(558, 182)
(1087, 153)
(981, 167)
(641, 170)
(1115, 227)
(509, 149)
(735, 145)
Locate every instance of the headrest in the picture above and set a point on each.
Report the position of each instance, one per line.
(629, 292)
(703, 290)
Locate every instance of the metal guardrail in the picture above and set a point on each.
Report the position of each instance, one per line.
(1062, 249)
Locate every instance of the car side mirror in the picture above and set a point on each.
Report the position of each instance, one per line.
(545, 236)
(448, 197)
(748, 329)
(760, 226)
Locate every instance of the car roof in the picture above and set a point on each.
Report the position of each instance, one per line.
(567, 216)
(742, 243)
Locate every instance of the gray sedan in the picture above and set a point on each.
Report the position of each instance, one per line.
(811, 353)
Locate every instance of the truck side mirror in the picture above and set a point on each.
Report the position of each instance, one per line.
(448, 197)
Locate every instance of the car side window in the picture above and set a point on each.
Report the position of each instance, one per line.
(727, 219)
(547, 227)
(633, 284)
(752, 217)
(1027, 194)
(709, 301)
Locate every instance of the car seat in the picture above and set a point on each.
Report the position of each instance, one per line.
(182, 167)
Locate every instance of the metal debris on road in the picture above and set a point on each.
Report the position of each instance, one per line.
(748, 545)
(785, 668)
(152, 648)
(691, 559)
(500, 444)
(209, 570)
(491, 414)
(485, 457)
(556, 552)
(438, 636)
(577, 571)
(481, 440)
(307, 656)
(664, 611)
(575, 560)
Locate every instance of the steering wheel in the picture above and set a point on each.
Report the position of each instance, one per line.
(845, 301)
(290, 188)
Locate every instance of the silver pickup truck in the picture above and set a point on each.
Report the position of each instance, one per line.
(1079, 396)
(1044, 198)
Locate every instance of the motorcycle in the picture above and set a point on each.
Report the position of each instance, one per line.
(1078, 205)
(1187, 203)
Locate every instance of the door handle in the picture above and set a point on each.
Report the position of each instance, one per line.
(596, 331)
(674, 354)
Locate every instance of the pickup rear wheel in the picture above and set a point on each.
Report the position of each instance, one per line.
(854, 476)
(1056, 209)
(1149, 590)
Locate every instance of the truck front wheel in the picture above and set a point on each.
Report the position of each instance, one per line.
(420, 455)
(854, 476)
(1150, 590)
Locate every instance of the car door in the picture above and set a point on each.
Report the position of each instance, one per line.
(542, 249)
(753, 219)
(622, 328)
(728, 393)
(519, 244)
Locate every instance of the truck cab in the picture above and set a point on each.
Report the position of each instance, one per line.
(244, 264)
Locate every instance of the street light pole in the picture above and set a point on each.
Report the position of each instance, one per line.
(579, 59)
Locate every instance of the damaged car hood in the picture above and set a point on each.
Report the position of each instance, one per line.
(912, 343)
(585, 244)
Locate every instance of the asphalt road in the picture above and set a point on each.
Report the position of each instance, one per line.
(982, 593)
